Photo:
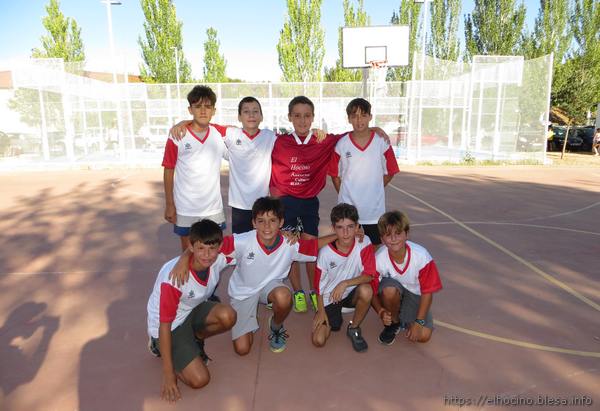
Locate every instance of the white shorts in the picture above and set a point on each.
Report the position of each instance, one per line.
(246, 310)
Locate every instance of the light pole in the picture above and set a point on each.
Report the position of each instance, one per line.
(177, 80)
(422, 77)
(111, 42)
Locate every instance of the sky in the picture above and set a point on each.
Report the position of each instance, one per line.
(248, 30)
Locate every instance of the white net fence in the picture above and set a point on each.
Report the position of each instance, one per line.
(51, 112)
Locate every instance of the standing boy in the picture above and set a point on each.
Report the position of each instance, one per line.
(345, 269)
(192, 178)
(408, 277)
(180, 318)
(361, 167)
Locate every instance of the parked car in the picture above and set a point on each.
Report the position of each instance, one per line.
(586, 134)
(574, 142)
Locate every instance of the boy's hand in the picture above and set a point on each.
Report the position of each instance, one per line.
(178, 130)
(291, 237)
(381, 133)
(338, 292)
(414, 332)
(319, 320)
(360, 234)
(180, 274)
(169, 390)
(319, 134)
(171, 213)
(386, 316)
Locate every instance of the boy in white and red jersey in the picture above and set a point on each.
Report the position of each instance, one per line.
(345, 269)
(299, 172)
(192, 165)
(408, 277)
(361, 167)
(181, 317)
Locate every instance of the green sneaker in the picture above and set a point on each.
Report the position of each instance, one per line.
(300, 302)
(313, 301)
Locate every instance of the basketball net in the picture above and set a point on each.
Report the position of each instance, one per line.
(378, 74)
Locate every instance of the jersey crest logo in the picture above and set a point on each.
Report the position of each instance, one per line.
(250, 255)
(238, 142)
(332, 265)
(187, 146)
(191, 294)
(348, 154)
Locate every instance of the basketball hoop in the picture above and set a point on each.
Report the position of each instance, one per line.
(378, 64)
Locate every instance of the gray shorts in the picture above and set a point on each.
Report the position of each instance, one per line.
(246, 310)
(409, 307)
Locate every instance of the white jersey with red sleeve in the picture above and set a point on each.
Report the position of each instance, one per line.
(197, 164)
(362, 171)
(417, 273)
(333, 267)
(249, 165)
(299, 167)
(171, 303)
(256, 265)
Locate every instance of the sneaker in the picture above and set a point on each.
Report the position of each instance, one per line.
(205, 358)
(300, 302)
(277, 339)
(389, 333)
(313, 301)
(152, 347)
(269, 306)
(358, 342)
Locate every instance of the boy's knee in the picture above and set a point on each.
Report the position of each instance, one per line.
(426, 336)
(390, 294)
(318, 341)
(282, 297)
(365, 292)
(199, 381)
(227, 318)
(242, 349)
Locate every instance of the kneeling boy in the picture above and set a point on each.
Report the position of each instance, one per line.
(344, 271)
(408, 277)
(181, 317)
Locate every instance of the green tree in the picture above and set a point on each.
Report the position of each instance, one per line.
(408, 15)
(444, 43)
(163, 36)
(63, 39)
(551, 31)
(301, 45)
(352, 18)
(214, 63)
(495, 27)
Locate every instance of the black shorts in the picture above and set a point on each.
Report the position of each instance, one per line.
(302, 212)
(241, 220)
(334, 311)
(372, 232)
(183, 338)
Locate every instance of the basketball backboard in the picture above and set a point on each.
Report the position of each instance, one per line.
(363, 45)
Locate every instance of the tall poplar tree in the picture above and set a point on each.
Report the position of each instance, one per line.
(353, 17)
(444, 43)
(408, 15)
(162, 35)
(301, 45)
(551, 31)
(495, 27)
(214, 62)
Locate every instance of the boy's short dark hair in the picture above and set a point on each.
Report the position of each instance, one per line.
(207, 232)
(265, 204)
(300, 100)
(358, 104)
(248, 99)
(344, 210)
(393, 219)
(200, 93)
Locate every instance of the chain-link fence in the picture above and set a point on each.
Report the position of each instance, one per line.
(53, 112)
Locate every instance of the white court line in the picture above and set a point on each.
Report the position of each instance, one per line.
(565, 213)
(506, 251)
(515, 224)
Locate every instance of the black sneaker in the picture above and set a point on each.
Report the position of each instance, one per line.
(152, 347)
(205, 358)
(388, 335)
(358, 342)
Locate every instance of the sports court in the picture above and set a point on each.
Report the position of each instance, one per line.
(517, 248)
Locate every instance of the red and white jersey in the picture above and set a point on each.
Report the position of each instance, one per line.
(299, 166)
(256, 265)
(170, 303)
(249, 165)
(417, 273)
(362, 171)
(333, 267)
(197, 164)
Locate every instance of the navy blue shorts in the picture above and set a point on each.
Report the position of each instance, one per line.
(241, 220)
(302, 213)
